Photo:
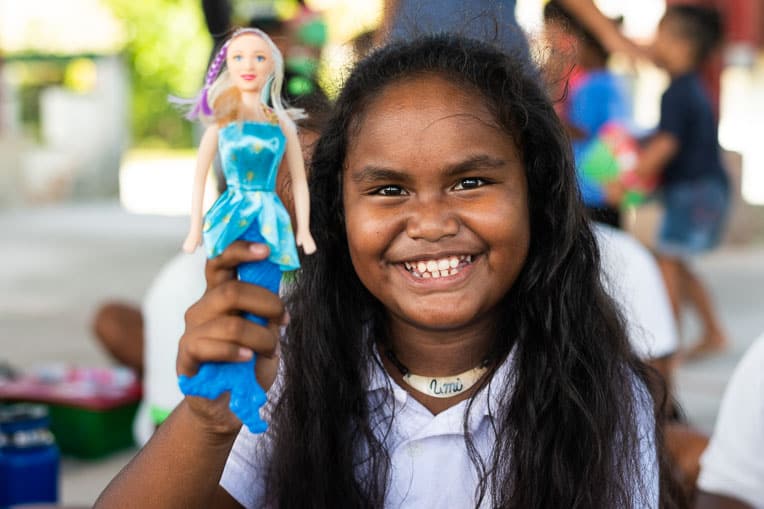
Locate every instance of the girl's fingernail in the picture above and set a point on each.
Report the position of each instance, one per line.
(245, 353)
(258, 249)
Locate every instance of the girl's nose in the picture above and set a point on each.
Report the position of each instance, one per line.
(431, 220)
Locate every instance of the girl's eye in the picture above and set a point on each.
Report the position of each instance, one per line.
(260, 58)
(237, 58)
(470, 183)
(389, 191)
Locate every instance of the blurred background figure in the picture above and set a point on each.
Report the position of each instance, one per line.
(592, 99)
(632, 277)
(732, 470)
(685, 154)
(489, 20)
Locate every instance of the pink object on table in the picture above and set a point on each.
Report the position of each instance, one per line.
(91, 388)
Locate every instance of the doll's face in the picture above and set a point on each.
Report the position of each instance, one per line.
(250, 62)
(436, 206)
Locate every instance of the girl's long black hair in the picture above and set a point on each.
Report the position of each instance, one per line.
(566, 434)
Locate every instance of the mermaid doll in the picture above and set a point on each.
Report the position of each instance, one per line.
(251, 137)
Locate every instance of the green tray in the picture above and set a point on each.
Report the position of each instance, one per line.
(87, 433)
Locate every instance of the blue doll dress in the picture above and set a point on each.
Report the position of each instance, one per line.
(249, 209)
(250, 154)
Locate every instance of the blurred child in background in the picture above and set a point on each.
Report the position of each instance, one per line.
(685, 155)
(594, 98)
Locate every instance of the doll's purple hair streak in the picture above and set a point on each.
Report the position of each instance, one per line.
(200, 105)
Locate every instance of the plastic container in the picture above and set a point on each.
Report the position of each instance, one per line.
(91, 409)
(29, 458)
(91, 433)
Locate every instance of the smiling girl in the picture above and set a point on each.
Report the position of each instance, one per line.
(450, 343)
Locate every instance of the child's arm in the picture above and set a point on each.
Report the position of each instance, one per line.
(299, 187)
(656, 154)
(179, 467)
(389, 10)
(653, 157)
(207, 149)
(182, 463)
(603, 28)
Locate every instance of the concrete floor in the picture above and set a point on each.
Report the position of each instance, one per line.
(57, 263)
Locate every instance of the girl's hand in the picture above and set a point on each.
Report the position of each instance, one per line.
(305, 239)
(215, 331)
(193, 240)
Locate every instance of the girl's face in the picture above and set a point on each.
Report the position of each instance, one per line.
(436, 209)
(250, 62)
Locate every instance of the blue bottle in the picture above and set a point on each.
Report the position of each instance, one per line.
(29, 458)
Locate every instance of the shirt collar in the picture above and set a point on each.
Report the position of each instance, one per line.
(486, 401)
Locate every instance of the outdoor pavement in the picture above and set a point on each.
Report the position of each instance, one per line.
(58, 263)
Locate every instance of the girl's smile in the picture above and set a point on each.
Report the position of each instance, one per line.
(435, 205)
(438, 267)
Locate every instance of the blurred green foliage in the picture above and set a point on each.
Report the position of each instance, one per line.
(167, 50)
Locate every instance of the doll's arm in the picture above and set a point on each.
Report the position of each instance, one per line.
(299, 186)
(207, 148)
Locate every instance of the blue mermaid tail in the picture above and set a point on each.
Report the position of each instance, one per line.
(215, 378)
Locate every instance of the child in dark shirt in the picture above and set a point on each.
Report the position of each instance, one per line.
(685, 155)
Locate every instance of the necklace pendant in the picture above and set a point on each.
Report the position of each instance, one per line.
(445, 386)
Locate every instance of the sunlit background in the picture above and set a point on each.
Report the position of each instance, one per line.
(85, 86)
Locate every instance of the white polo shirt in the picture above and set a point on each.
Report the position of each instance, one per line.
(733, 463)
(632, 278)
(429, 459)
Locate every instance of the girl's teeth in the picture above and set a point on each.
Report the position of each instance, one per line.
(443, 267)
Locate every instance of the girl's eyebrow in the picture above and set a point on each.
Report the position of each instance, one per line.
(372, 173)
(480, 161)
